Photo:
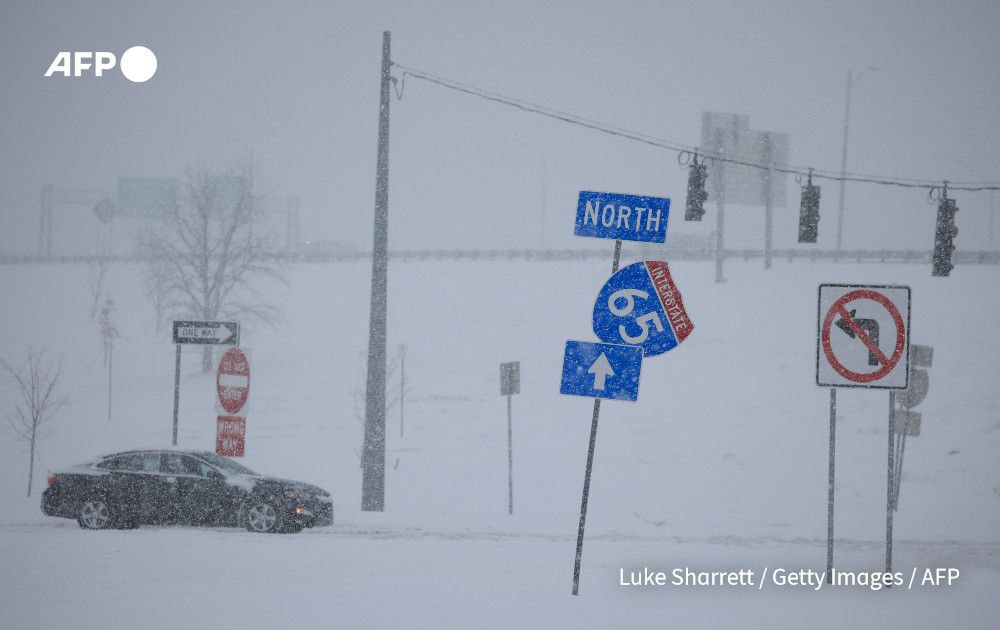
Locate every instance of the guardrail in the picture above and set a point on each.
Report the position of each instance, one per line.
(971, 257)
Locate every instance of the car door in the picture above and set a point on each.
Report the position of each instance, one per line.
(194, 489)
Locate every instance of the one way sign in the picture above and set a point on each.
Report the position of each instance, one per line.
(219, 333)
(601, 370)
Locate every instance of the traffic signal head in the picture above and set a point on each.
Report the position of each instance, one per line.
(696, 196)
(944, 236)
(809, 213)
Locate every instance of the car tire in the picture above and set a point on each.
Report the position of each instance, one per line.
(263, 517)
(96, 513)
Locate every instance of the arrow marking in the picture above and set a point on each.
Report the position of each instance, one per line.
(601, 369)
(848, 318)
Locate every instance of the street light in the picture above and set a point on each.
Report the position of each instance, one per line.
(851, 80)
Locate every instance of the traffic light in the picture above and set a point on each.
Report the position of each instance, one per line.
(696, 196)
(809, 212)
(944, 234)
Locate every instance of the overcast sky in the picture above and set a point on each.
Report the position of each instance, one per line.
(296, 83)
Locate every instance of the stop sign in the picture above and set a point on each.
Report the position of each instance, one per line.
(233, 380)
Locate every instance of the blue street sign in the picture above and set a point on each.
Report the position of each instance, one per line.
(640, 305)
(625, 217)
(601, 370)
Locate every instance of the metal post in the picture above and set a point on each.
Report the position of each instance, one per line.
(510, 462)
(768, 209)
(111, 354)
(720, 206)
(843, 169)
(590, 461)
(177, 390)
(890, 482)
(373, 455)
(402, 384)
(829, 493)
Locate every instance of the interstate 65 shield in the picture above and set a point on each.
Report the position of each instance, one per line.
(641, 306)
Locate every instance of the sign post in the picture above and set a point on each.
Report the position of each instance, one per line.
(863, 340)
(611, 370)
(201, 333)
(510, 384)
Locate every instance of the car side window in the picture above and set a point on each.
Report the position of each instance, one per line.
(110, 463)
(151, 462)
(204, 470)
(173, 464)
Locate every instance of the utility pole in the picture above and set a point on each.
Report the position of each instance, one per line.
(843, 157)
(373, 453)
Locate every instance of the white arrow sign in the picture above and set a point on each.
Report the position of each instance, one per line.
(601, 369)
(222, 333)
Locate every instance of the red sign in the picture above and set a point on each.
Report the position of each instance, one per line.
(883, 364)
(230, 435)
(233, 380)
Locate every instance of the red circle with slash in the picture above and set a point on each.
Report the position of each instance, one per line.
(886, 364)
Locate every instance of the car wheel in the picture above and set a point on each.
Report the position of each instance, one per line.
(95, 513)
(263, 517)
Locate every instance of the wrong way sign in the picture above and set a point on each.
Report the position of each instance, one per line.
(863, 336)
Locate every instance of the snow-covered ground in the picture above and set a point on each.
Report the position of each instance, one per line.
(721, 464)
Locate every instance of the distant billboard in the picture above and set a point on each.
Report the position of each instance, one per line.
(730, 135)
(147, 197)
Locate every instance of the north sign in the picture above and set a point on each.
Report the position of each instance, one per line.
(622, 217)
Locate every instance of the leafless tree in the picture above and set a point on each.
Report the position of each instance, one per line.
(35, 381)
(206, 262)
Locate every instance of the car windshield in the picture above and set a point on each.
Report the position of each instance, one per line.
(226, 464)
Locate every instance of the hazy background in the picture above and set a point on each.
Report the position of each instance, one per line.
(296, 84)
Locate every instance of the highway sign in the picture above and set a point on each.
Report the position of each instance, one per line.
(601, 370)
(622, 217)
(230, 435)
(863, 336)
(232, 381)
(219, 333)
(510, 378)
(640, 305)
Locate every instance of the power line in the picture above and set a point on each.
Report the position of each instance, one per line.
(903, 182)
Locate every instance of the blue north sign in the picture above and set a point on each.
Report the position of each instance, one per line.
(624, 217)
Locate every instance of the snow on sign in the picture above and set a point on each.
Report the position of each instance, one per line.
(230, 436)
(640, 305)
(601, 370)
(624, 217)
(233, 381)
(863, 336)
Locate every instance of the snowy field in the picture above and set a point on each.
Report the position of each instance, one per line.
(720, 465)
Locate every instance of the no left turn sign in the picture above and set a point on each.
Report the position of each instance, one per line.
(863, 336)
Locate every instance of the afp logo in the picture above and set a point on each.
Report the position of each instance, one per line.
(138, 64)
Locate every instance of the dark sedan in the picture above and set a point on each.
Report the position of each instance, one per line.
(162, 487)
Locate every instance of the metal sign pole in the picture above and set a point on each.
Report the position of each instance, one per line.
(829, 495)
(510, 461)
(891, 470)
(768, 209)
(590, 459)
(177, 389)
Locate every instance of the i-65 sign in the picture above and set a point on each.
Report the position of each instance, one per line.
(641, 306)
